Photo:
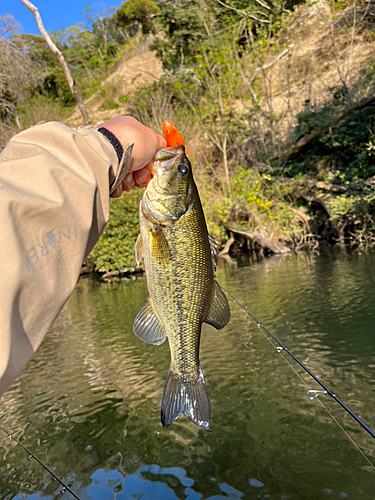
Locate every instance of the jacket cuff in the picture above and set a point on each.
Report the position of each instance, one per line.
(123, 168)
(117, 146)
(123, 157)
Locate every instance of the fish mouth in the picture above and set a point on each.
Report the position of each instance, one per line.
(168, 153)
(155, 195)
(167, 157)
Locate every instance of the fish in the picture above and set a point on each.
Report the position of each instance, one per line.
(179, 260)
(173, 136)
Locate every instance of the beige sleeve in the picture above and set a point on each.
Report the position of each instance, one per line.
(54, 204)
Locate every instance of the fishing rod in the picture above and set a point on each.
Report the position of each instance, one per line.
(311, 394)
(65, 487)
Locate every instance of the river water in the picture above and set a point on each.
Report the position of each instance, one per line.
(88, 403)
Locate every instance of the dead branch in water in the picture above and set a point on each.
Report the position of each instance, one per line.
(255, 240)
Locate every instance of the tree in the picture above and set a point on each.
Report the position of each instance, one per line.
(137, 15)
(20, 73)
(60, 58)
(185, 31)
(101, 24)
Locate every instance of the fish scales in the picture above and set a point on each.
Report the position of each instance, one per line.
(180, 278)
(187, 294)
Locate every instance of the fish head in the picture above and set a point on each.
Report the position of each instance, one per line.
(168, 194)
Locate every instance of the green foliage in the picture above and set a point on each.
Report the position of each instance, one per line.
(357, 207)
(189, 24)
(265, 201)
(115, 248)
(184, 29)
(41, 108)
(347, 144)
(137, 15)
(257, 202)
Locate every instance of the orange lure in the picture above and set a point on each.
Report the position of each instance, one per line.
(173, 136)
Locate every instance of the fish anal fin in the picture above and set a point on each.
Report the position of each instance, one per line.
(219, 313)
(159, 246)
(147, 327)
(138, 250)
(188, 398)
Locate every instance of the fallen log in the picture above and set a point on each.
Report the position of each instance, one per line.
(324, 186)
(256, 240)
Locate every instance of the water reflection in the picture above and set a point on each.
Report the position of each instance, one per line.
(149, 482)
(88, 404)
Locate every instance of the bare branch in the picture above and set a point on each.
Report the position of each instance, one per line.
(241, 12)
(280, 56)
(60, 58)
(8, 25)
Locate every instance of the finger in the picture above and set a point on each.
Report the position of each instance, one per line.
(128, 182)
(162, 141)
(142, 177)
(117, 192)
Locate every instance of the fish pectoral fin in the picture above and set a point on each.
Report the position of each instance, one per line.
(188, 398)
(147, 327)
(159, 246)
(138, 250)
(219, 313)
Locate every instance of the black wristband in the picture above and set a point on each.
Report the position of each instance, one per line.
(117, 146)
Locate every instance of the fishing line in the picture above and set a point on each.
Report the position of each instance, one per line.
(33, 457)
(311, 394)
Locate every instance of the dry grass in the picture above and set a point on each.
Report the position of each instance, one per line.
(321, 58)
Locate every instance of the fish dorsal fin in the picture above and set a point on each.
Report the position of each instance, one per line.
(147, 327)
(159, 246)
(138, 250)
(219, 313)
(213, 248)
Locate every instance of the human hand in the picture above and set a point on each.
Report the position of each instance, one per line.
(128, 130)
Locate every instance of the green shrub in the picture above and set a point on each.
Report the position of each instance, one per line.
(346, 144)
(355, 207)
(115, 248)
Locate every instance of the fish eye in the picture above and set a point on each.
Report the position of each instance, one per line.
(183, 169)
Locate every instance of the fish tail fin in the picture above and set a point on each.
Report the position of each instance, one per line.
(188, 398)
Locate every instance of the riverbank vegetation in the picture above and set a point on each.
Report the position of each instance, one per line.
(275, 99)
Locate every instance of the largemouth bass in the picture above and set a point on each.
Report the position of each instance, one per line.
(179, 258)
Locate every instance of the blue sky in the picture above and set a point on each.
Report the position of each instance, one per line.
(56, 14)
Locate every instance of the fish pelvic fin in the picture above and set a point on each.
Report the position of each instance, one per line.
(219, 313)
(188, 398)
(147, 326)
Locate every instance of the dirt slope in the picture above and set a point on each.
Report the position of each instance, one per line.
(321, 57)
(132, 73)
